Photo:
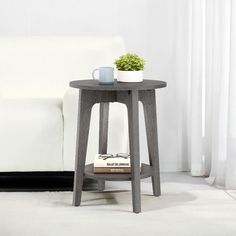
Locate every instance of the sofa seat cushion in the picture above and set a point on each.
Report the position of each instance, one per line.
(31, 135)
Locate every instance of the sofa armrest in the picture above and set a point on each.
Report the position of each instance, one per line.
(70, 111)
(117, 130)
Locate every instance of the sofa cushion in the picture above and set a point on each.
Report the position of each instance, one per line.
(31, 135)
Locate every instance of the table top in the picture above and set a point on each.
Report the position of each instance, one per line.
(117, 86)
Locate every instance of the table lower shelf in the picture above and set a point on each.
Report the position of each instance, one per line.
(146, 171)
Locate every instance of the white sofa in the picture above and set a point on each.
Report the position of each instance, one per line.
(38, 110)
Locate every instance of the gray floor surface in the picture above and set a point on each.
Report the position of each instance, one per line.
(187, 206)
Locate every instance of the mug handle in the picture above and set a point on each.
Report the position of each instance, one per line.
(93, 73)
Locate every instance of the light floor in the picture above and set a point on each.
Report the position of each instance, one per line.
(188, 206)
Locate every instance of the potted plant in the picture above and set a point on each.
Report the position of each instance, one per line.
(130, 68)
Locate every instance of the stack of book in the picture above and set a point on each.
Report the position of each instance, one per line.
(108, 163)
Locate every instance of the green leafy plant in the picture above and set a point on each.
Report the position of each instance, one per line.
(129, 62)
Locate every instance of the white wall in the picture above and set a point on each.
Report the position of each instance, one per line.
(154, 29)
(77, 17)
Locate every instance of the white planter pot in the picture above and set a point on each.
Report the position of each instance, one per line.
(129, 76)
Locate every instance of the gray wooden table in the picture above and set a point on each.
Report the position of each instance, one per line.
(128, 93)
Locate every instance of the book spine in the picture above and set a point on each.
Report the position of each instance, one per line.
(112, 170)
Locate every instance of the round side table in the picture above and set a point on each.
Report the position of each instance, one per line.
(130, 94)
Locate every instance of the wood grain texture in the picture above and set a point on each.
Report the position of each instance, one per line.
(129, 94)
(85, 106)
(146, 171)
(103, 127)
(148, 100)
(117, 86)
(133, 117)
(103, 133)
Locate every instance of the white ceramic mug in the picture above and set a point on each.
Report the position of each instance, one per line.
(106, 75)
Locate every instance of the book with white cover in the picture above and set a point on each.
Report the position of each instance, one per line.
(114, 161)
(119, 163)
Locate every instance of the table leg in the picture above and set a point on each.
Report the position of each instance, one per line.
(84, 115)
(103, 133)
(133, 117)
(148, 99)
